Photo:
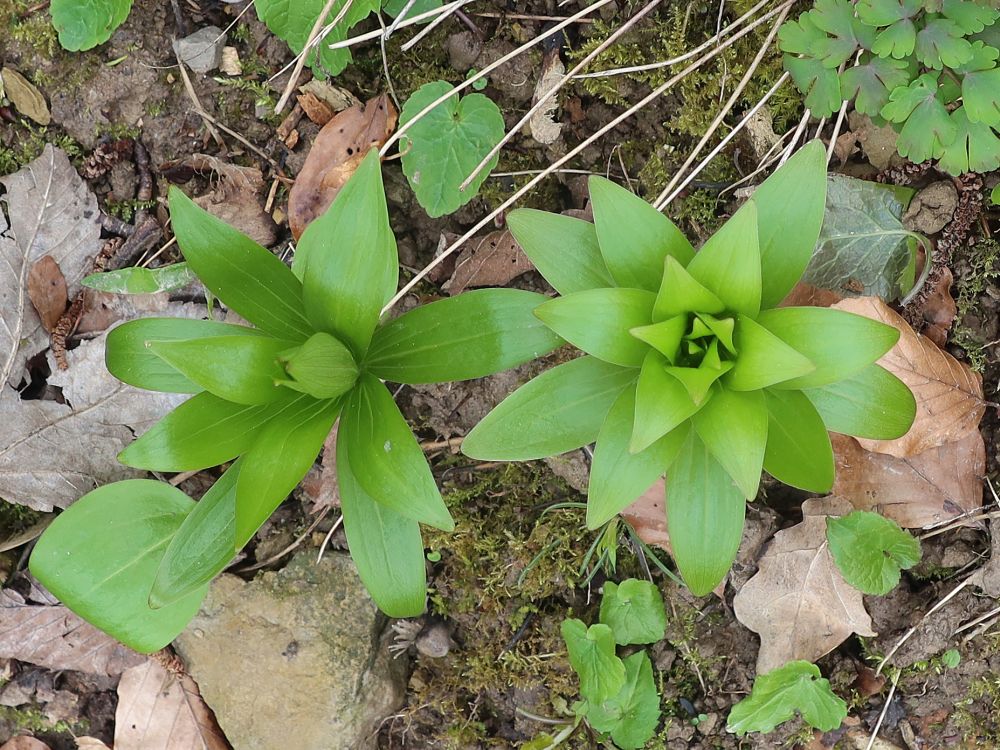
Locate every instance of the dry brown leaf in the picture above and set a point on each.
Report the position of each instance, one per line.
(161, 711)
(804, 294)
(316, 109)
(24, 743)
(949, 394)
(337, 98)
(335, 154)
(90, 743)
(798, 603)
(940, 309)
(47, 291)
(542, 124)
(915, 491)
(25, 96)
(493, 260)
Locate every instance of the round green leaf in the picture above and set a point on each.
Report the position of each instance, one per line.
(870, 550)
(777, 695)
(634, 611)
(592, 655)
(84, 25)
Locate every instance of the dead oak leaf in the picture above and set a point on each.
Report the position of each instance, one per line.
(949, 395)
(47, 291)
(914, 491)
(493, 260)
(798, 603)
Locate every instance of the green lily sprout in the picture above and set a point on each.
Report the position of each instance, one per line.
(691, 367)
(134, 558)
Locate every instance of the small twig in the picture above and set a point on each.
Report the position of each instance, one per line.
(407, 46)
(314, 35)
(298, 540)
(982, 618)
(328, 537)
(183, 477)
(398, 20)
(790, 149)
(885, 710)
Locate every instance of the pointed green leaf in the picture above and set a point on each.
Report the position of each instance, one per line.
(393, 469)
(705, 512)
(564, 249)
(469, 336)
(733, 424)
(838, 343)
(872, 403)
(131, 361)
(631, 716)
(592, 655)
(779, 694)
(729, 263)
(763, 359)
(347, 260)
(242, 369)
(790, 207)
(560, 410)
(870, 550)
(721, 328)
(798, 449)
(618, 476)
(385, 545)
(634, 612)
(681, 293)
(241, 273)
(665, 336)
(598, 321)
(281, 455)
(662, 402)
(634, 237)
(204, 545)
(100, 556)
(698, 381)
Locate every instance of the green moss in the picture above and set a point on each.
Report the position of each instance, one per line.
(32, 720)
(977, 715)
(126, 209)
(29, 144)
(983, 260)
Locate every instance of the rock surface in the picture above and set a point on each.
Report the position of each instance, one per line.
(295, 659)
(202, 50)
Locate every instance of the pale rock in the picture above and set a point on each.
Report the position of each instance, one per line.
(202, 50)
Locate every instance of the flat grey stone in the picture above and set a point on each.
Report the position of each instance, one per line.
(202, 50)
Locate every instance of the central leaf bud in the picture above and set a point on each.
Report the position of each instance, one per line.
(322, 367)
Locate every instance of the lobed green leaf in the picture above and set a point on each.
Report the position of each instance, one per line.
(779, 694)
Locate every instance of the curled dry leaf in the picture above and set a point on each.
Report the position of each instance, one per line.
(158, 710)
(335, 154)
(47, 291)
(940, 309)
(493, 260)
(914, 491)
(316, 109)
(542, 124)
(949, 394)
(24, 743)
(798, 603)
(335, 97)
(25, 96)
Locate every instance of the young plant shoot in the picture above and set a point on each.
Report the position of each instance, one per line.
(134, 558)
(691, 367)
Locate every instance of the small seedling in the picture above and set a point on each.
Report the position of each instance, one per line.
(779, 694)
(692, 368)
(83, 26)
(871, 550)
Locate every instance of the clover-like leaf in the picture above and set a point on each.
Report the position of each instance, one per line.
(971, 17)
(819, 84)
(847, 32)
(886, 12)
(634, 611)
(981, 96)
(779, 694)
(984, 57)
(870, 82)
(871, 550)
(941, 43)
(84, 25)
(928, 127)
(976, 147)
(445, 145)
(804, 37)
(631, 716)
(592, 655)
(896, 41)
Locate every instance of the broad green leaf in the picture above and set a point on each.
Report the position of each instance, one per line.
(981, 97)
(560, 410)
(971, 17)
(705, 512)
(762, 359)
(204, 545)
(733, 424)
(564, 249)
(631, 717)
(790, 205)
(618, 476)
(897, 41)
(293, 20)
(863, 245)
(729, 263)
(681, 293)
(870, 82)
(798, 449)
(928, 128)
(995, 196)
(204, 431)
(347, 260)
(941, 43)
(662, 402)
(385, 545)
(592, 655)
(870, 550)
(393, 470)
(819, 84)
(885, 12)
(84, 25)
(241, 273)
(136, 280)
(839, 343)
(100, 556)
(873, 403)
(598, 321)
(634, 611)
(665, 336)
(469, 336)
(634, 237)
(779, 694)
(242, 369)
(445, 145)
(130, 360)
(976, 147)
(281, 455)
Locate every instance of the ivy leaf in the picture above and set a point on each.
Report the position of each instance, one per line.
(443, 148)
(777, 695)
(631, 716)
(847, 32)
(870, 550)
(592, 654)
(886, 12)
(976, 147)
(928, 127)
(969, 16)
(896, 41)
(941, 43)
(634, 611)
(870, 82)
(981, 96)
(820, 84)
(84, 25)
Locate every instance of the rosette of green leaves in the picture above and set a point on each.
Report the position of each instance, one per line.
(929, 67)
(691, 366)
(266, 397)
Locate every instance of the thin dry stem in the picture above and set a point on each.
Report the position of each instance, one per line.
(314, 36)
